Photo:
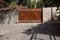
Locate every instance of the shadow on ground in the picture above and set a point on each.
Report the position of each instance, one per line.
(50, 28)
(4, 14)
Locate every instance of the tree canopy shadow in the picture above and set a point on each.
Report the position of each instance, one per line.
(3, 15)
(7, 14)
(50, 28)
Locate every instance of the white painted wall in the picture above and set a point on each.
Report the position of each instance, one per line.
(47, 13)
(54, 11)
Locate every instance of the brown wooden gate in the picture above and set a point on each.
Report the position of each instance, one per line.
(27, 15)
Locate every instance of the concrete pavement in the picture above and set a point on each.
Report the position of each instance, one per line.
(15, 32)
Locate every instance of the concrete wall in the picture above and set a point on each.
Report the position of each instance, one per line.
(54, 11)
(47, 13)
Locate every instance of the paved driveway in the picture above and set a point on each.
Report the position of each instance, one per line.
(15, 32)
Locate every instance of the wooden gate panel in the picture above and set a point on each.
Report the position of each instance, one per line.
(30, 15)
(35, 15)
(23, 16)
